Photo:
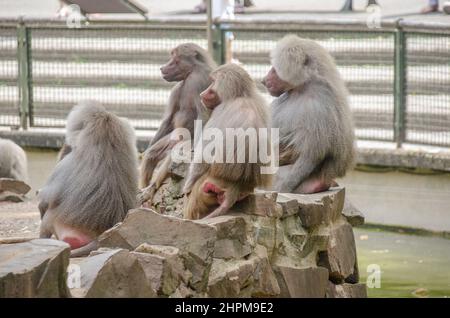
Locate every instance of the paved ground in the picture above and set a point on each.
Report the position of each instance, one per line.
(263, 8)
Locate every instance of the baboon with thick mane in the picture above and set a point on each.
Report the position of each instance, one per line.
(13, 161)
(313, 116)
(94, 185)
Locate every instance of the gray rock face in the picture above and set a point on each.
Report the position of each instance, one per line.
(34, 269)
(352, 214)
(13, 190)
(340, 256)
(310, 282)
(164, 267)
(14, 186)
(194, 240)
(346, 291)
(268, 245)
(115, 273)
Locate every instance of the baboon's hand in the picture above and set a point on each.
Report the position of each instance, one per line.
(146, 194)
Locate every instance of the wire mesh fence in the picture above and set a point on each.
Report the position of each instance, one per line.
(9, 90)
(118, 64)
(365, 61)
(428, 89)
(118, 67)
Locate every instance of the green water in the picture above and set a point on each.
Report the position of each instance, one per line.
(410, 265)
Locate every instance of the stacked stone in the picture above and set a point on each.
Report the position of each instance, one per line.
(270, 245)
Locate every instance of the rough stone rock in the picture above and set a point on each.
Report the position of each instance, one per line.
(309, 282)
(15, 186)
(179, 170)
(169, 199)
(185, 292)
(252, 277)
(346, 291)
(268, 232)
(194, 240)
(317, 208)
(352, 214)
(261, 203)
(288, 203)
(163, 266)
(114, 273)
(296, 234)
(231, 237)
(340, 256)
(35, 268)
(11, 197)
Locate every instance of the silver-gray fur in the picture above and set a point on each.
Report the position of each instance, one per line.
(314, 118)
(93, 187)
(13, 161)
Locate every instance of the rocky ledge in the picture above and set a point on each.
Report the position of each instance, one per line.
(270, 245)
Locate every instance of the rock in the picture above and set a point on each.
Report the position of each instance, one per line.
(296, 234)
(302, 282)
(340, 256)
(11, 197)
(264, 280)
(314, 209)
(169, 199)
(252, 277)
(15, 186)
(321, 208)
(34, 269)
(268, 232)
(231, 237)
(261, 203)
(184, 292)
(346, 291)
(352, 214)
(288, 203)
(163, 266)
(112, 274)
(179, 170)
(194, 240)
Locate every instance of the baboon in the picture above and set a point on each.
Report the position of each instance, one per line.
(189, 65)
(313, 116)
(94, 185)
(13, 161)
(214, 187)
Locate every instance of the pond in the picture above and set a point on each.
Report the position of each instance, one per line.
(410, 265)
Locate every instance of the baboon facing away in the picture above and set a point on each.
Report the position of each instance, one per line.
(13, 161)
(190, 66)
(313, 116)
(95, 184)
(216, 186)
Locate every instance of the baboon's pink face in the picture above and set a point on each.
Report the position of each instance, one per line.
(177, 69)
(209, 96)
(274, 84)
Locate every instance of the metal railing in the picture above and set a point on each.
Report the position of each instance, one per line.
(398, 76)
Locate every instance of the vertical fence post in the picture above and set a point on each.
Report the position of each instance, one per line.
(209, 26)
(24, 72)
(218, 43)
(400, 86)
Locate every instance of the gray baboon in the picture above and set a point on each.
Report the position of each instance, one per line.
(312, 114)
(216, 186)
(13, 161)
(95, 184)
(189, 65)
